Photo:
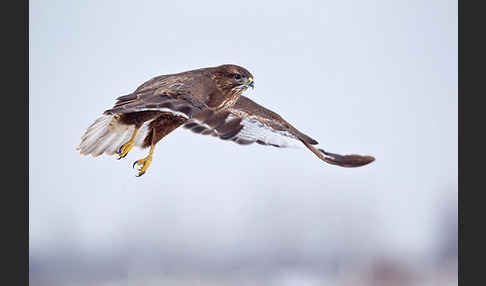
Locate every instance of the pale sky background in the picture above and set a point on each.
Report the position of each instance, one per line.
(366, 77)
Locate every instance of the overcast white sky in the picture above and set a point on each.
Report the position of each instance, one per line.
(368, 77)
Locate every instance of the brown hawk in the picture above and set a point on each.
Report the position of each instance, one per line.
(207, 101)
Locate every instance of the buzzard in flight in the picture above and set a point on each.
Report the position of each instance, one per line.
(207, 101)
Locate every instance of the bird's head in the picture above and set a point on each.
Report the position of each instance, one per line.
(233, 78)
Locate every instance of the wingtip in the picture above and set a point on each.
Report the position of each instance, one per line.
(349, 161)
(313, 142)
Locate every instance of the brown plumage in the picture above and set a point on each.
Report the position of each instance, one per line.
(207, 101)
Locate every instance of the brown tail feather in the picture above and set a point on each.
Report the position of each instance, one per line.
(348, 161)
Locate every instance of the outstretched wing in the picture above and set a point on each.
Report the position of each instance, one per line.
(181, 94)
(248, 122)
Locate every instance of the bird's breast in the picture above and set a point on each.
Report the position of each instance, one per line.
(230, 101)
(220, 101)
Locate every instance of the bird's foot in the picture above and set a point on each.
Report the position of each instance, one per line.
(125, 148)
(144, 163)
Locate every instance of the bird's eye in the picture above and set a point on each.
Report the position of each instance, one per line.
(237, 76)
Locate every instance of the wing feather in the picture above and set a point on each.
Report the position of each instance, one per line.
(248, 122)
(182, 94)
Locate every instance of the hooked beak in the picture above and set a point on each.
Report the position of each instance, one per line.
(251, 83)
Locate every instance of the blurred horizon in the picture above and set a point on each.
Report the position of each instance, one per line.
(376, 77)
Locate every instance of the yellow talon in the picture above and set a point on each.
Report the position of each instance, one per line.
(145, 162)
(125, 148)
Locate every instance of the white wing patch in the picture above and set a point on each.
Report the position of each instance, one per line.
(253, 131)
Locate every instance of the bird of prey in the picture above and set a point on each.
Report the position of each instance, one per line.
(207, 101)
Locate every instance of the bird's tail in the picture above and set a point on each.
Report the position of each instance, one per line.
(349, 161)
(107, 134)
